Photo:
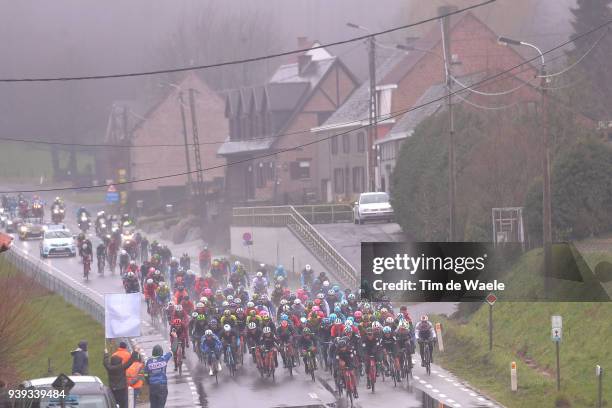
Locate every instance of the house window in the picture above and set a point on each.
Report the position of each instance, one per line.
(358, 179)
(346, 143)
(334, 145)
(361, 142)
(300, 169)
(384, 102)
(269, 171)
(339, 181)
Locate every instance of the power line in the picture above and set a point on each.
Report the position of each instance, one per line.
(396, 114)
(246, 60)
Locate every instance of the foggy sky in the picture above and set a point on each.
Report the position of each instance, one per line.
(83, 37)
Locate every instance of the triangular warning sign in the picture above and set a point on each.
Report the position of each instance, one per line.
(111, 189)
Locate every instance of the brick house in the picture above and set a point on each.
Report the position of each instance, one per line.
(406, 79)
(162, 124)
(266, 123)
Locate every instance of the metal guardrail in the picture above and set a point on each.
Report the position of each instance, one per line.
(36, 270)
(314, 214)
(288, 216)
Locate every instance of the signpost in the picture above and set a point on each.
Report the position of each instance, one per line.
(513, 377)
(491, 299)
(599, 375)
(247, 240)
(63, 384)
(112, 195)
(557, 333)
(439, 335)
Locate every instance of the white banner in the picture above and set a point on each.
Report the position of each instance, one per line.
(122, 315)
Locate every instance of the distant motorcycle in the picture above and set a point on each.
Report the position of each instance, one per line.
(84, 222)
(57, 214)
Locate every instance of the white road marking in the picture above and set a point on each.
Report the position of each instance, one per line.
(465, 390)
(435, 390)
(441, 375)
(423, 382)
(442, 395)
(480, 399)
(428, 385)
(416, 377)
(472, 394)
(450, 401)
(313, 395)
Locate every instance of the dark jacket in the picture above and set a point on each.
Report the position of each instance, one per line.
(116, 370)
(80, 360)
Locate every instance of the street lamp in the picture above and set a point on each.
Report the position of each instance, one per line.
(546, 200)
(373, 111)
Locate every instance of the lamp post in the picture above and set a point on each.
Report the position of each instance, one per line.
(546, 199)
(373, 110)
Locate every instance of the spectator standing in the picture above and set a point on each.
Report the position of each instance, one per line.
(80, 359)
(117, 380)
(123, 352)
(155, 374)
(135, 377)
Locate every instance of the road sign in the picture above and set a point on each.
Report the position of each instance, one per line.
(491, 299)
(598, 370)
(247, 238)
(63, 383)
(557, 328)
(112, 197)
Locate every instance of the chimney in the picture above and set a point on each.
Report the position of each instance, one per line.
(303, 61)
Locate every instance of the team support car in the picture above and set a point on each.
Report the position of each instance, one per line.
(57, 242)
(88, 391)
(31, 228)
(373, 206)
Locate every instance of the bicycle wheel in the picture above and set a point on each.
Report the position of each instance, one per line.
(312, 367)
(427, 359)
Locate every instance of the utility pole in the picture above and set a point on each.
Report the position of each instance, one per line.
(187, 160)
(452, 190)
(373, 112)
(546, 202)
(199, 188)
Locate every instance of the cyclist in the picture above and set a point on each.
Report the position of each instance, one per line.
(260, 284)
(370, 347)
(404, 342)
(425, 333)
(345, 357)
(285, 333)
(185, 261)
(209, 345)
(150, 289)
(124, 261)
(229, 336)
(269, 343)
(177, 333)
(86, 259)
(130, 283)
(204, 259)
(101, 257)
(390, 347)
(253, 336)
(307, 276)
(307, 343)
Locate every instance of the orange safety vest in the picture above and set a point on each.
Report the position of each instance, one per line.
(124, 354)
(135, 375)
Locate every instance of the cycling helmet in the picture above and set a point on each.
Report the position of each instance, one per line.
(208, 292)
(267, 330)
(297, 302)
(333, 317)
(252, 326)
(227, 312)
(259, 274)
(283, 302)
(389, 320)
(208, 333)
(201, 317)
(123, 252)
(132, 262)
(358, 314)
(331, 292)
(149, 281)
(239, 310)
(303, 320)
(157, 272)
(230, 298)
(306, 331)
(237, 263)
(424, 318)
(337, 310)
(190, 272)
(308, 267)
(225, 303)
(376, 325)
(284, 317)
(250, 304)
(194, 315)
(348, 330)
(386, 330)
(199, 305)
(237, 301)
(213, 322)
(170, 304)
(383, 310)
(341, 343)
(338, 321)
(351, 296)
(320, 296)
(227, 327)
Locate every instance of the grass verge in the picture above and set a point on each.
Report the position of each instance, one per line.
(522, 333)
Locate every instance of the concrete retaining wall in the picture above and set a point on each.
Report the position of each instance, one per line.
(270, 241)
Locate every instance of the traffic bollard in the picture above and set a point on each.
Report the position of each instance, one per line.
(439, 335)
(513, 377)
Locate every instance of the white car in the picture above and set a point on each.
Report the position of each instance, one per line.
(373, 206)
(57, 242)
